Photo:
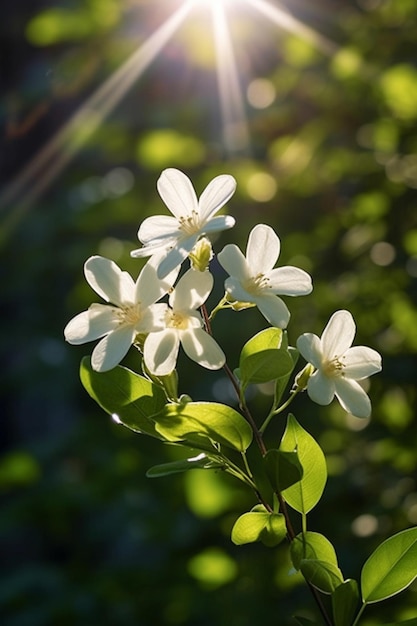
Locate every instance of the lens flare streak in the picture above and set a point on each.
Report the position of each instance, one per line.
(235, 129)
(67, 142)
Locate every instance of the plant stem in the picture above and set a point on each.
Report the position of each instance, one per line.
(361, 610)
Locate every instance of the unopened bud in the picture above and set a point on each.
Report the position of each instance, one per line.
(201, 255)
(301, 380)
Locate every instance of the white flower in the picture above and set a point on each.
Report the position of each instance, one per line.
(253, 279)
(184, 325)
(338, 366)
(176, 236)
(132, 310)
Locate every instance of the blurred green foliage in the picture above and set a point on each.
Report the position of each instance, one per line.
(331, 164)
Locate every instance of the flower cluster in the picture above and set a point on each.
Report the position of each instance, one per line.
(159, 314)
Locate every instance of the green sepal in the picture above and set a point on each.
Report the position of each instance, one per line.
(199, 421)
(128, 397)
(282, 468)
(324, 576)
(201, 461)
(391, 568)
(259, 525)
(306, 493)
(345, 602)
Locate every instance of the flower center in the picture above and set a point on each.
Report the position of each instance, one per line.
(177, 320)
(190, 224)
(256, 284)
(333, 368)
(130, 314)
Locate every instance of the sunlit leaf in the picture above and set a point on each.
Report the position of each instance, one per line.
(282, 468)
(217, 422)
(312, 545)
(345, 602)
(323, 575)
(305, 494)
(130, 399)
(258, 525)
(267, 339)
(391, 568)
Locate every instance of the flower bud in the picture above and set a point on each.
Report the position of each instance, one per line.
(301, 380)
(201, 255)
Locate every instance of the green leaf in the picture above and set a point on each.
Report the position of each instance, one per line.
(259, 525)
(265, 366)
(267, 339)
(345, 601)
(202, 461)
(391, 568)
(282, 468)
(325, 576)
(408, 622)
(193, 420)
(262, 358)
(304, 495)
(311, 545)
(128, 397)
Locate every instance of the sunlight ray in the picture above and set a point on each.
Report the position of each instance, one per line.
(293, 25)
(44, 168)
(235, 129)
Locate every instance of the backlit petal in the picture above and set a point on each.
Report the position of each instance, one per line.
(233, 261)
(192, 290)
(352, 397)
(290, 281)
(215, 195)
(309, 346)
(177, 191)
(338, 335)
(158, 227)
(108, 280)
(111, 349)
(160, 352)
(176, 256)
(92, 324)
(263, 249)
(273, 309)
(320, 388)
(150, 288)
(216, 224)
(360, 362)
(202, 348)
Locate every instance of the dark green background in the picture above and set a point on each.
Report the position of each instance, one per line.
(85, 538)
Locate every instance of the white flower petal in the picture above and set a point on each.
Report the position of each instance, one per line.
(176, 256)
(274, 310)
(177, 191)
(92, 324)
(192, 290)
(202, 348)
(108, 280)
(160, 352)
(320, 388)
(215, 195)
(262, 250)
(338, 335)
(236, 291)
(154, 249)
(360, 362)
(158, 227)
(150, 288)
(222, 222)
(233, 261)
(352, 397)
(153, 319)
(290, 281)
(309, 346)
(111, 349)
